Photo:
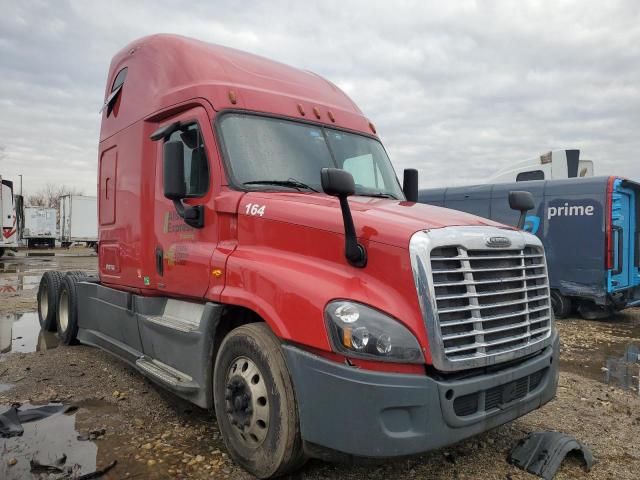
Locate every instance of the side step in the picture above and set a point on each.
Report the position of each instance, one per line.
(166, 375)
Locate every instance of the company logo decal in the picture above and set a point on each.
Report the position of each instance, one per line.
(498, 242)
(532, 224)
(567, 210)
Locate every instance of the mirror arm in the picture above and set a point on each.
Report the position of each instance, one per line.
(521, 220)
(355, 253)
(192, 215)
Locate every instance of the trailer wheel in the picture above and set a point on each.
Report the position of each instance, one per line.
(48, 292)
(67, 316)
(255, 403)
(590, 311)
(561, 304)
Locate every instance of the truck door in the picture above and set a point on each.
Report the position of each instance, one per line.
(624, 237)
(182, 253)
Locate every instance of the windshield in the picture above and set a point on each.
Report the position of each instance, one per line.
(272, 153)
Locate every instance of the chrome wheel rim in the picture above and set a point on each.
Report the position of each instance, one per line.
(63, 310)
(246, 401)
(44, 301)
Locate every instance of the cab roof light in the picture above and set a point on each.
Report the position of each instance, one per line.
(316, 112)
(232, 97)
(301, 110)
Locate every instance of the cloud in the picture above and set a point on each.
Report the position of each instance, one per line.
(456, 89)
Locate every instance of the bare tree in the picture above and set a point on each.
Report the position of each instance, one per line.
(49, 196)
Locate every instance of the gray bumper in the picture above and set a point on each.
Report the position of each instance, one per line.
(375, 414)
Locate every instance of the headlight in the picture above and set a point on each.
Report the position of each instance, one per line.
(360, 331)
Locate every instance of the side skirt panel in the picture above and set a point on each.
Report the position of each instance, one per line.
(169, 341)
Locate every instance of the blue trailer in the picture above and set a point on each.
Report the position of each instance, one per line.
(589, 228)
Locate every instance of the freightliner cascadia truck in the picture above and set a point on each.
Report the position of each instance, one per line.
(258, 257)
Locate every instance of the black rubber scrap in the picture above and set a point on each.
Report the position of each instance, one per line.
(542, 453)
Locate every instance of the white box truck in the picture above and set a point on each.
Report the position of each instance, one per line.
(40, 226)
(78, 220)
(8, 222)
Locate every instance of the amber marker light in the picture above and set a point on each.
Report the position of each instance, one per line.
(346, 337)
(232, 97)
(316, 111)
(301, 110)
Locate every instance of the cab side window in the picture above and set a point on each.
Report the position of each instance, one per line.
(196, 166)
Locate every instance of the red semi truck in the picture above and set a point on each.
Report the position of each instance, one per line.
(258, 257)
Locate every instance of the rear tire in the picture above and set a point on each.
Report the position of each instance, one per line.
(1, 252)
(255, 403)
(67, 315)
(590, 311)
(48, 293)
(561, 305)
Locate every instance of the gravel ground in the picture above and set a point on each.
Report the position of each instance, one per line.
(152, 434)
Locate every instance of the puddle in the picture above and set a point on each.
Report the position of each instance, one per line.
(20, 332)
(51, 438)
(624, 372)
(607, 351)
(137, 455)
(15, 283)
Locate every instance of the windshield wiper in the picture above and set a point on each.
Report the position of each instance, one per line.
(377, 194)
(291, 183)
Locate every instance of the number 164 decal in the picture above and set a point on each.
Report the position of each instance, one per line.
(254, 209)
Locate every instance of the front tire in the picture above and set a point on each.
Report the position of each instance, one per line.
(255, 403)
(48, 293)
(67, 315)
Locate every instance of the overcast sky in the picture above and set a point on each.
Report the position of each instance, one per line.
(457, 89)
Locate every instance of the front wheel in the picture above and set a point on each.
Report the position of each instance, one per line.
(255, 403)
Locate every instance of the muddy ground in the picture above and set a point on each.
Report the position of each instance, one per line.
(152, 434)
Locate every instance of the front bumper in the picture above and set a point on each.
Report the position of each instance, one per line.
(376, 414)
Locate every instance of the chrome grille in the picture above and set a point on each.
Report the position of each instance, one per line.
(489, 302)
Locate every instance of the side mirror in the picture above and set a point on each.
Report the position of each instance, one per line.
(175, 187)
(339, 183)
(523, 202)
(410, 184)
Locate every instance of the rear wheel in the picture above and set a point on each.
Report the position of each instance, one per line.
(255, 403)
(67, 317)
(561, 304)
(48, 293)
(1, 252)
(590, 311)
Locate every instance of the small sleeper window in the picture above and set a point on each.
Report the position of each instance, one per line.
(119, 80)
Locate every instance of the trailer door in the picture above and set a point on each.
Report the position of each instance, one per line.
(624, 271)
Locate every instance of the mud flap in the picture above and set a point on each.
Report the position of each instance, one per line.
(542, 453)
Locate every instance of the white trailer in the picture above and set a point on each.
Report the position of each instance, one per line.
(549, 166)
(8, 222)
(78, 220)
(40, 226)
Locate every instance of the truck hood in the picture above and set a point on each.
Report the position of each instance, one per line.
(381, 220)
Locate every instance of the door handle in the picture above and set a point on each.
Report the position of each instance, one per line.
(620, 253)
(159, 261)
